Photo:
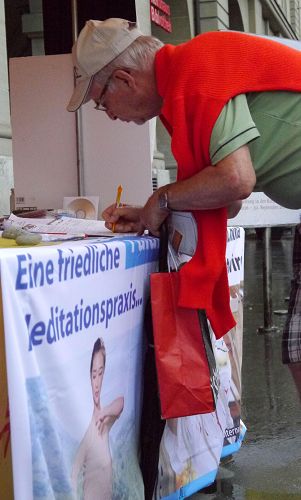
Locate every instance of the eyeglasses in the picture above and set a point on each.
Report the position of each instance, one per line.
(99, 102)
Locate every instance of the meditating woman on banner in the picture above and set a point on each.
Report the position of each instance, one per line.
(92, 467)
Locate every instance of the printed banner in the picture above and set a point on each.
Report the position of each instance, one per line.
(192, 447)
(229, 348)
(73, 320)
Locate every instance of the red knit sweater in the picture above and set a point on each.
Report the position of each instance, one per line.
(195, 80)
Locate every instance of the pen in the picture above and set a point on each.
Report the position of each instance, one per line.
(117, 203)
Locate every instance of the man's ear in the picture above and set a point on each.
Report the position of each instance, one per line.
(126, 77)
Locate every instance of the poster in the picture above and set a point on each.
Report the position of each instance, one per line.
(73, 317)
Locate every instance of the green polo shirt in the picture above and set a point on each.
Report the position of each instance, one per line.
(270, 123)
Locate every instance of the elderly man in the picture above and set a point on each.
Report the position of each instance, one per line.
(230, 102)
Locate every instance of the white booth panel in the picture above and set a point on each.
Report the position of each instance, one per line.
(43, 132)
(115, 153)
(44, 141)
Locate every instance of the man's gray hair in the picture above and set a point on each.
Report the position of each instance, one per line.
(139, 55)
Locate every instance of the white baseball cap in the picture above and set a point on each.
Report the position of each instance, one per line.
(98, 44)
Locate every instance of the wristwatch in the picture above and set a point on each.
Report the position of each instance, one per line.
(163, 201)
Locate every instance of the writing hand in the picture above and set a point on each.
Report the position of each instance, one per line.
(125, 219)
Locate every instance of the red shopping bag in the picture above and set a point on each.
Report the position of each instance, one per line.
(187, 375)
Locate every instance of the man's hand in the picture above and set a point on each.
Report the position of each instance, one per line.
(152, 216)
(125, 219)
